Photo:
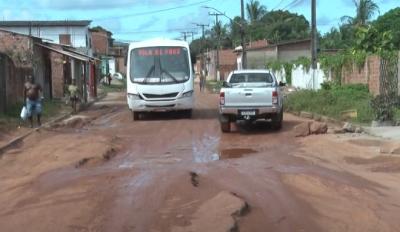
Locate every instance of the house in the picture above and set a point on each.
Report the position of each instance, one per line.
(119, 51)
(258, 55)
(71, 32)
(101, 43)
(49, 64)
(68, 63)
(20, 58)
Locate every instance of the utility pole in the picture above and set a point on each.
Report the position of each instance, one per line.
(313, 39)
(202, 46)
(218, 42)
(184, 35)
(242, 38)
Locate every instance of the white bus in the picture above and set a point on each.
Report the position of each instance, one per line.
(159, 77)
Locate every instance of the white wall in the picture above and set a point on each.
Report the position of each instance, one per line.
(304, 80)
(111, 66)
(280, 75)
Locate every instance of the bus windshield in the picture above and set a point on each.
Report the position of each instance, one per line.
(159, 65)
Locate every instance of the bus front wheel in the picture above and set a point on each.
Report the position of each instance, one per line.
(135, 116)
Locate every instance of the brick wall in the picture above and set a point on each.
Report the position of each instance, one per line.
(18, 47)
(369, 74)
(120, 65)
(100, 42)
(57, 74)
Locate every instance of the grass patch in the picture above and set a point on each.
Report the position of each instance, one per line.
(331, 102)
(214, 86)
(50, 109)
(113, 87)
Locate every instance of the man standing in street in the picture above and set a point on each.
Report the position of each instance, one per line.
(32, 100)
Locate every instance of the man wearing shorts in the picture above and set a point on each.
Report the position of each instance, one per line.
(32, 100)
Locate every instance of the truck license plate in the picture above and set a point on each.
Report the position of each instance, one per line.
(248, 113)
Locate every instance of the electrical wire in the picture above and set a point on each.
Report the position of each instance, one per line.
(276, 7)
(292, 4)
(151, 12)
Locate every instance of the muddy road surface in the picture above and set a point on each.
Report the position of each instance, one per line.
(101, 171)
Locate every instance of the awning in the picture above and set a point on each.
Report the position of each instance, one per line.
(77, 56)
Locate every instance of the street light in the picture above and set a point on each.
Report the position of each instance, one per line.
(212, 8)
(243, 44)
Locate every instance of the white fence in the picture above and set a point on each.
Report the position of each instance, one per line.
(303, 78)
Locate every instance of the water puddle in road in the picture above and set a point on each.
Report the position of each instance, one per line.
(204, 150)
(235, 153)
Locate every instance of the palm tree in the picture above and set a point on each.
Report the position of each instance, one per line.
(255, 11)
(365, 9)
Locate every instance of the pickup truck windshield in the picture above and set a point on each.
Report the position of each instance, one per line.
(237, 78)
(159, 65)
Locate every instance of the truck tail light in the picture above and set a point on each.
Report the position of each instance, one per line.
(274, 97)
(222, 98)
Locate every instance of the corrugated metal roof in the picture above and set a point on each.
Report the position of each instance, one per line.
(45, 23)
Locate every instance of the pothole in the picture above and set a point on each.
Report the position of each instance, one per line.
(94, 160)
(235, 153)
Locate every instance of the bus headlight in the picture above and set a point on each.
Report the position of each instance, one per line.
(134, 97)
(188, 94)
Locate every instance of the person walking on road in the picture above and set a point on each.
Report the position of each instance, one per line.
(202, 81)
(33, 100)
(73, 94)
(109, 78)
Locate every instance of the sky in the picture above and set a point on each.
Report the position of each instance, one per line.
(134, 20)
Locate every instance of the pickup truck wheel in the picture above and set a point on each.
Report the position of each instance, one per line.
(277, 121)
(135, 116)
(226, 127)
(187, 114)
(225, 123)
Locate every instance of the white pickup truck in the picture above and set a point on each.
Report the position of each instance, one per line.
(251, 95)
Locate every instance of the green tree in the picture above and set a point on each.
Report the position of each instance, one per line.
(255, 11)
(281, 25)
(390, 21)
(365, 9)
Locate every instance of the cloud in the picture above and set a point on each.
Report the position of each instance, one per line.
(99, 4)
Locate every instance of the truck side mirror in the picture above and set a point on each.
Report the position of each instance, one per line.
(225, 84)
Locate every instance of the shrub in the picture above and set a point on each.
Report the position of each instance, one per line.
(332, 100)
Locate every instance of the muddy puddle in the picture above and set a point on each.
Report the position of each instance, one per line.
(235, 153)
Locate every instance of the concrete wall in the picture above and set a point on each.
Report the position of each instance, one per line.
(301, 78)
(259, 58)
(290, 52)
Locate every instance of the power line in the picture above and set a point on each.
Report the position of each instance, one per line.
(155, 31)
(151, 12)
(292, 4)
(277, 5)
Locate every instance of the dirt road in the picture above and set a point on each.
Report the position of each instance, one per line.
(100, 171)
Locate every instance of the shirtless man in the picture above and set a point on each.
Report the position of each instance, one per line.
(32, 100)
